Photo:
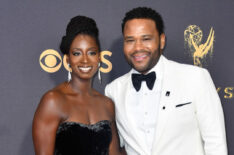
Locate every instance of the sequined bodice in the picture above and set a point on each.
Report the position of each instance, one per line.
(80, 139)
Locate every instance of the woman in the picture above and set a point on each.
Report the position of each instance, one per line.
(73, 118)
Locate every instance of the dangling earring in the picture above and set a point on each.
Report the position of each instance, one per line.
(69, 74)
(99, 74)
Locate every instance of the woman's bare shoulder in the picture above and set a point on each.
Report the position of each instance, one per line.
(103, 99)
(107, 103)
(52, 100)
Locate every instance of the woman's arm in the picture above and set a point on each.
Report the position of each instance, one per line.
(45, 124)
(114, 148)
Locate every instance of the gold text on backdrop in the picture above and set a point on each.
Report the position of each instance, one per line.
(50, 61)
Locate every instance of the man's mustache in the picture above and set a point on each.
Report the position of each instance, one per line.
(140, 51)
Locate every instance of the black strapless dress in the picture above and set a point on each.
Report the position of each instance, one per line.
(80, 139)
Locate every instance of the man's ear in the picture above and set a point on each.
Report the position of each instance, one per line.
(162, 41)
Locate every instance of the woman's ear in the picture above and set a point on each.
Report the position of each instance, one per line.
(67, 59)
(66, 62)
(100, 57)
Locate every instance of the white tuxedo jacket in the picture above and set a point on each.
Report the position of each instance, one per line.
(190, 117)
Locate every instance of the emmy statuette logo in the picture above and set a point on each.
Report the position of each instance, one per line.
(200, 50)
(193, 41)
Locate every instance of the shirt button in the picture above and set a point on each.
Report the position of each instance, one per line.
(146, 113)
(148, 131)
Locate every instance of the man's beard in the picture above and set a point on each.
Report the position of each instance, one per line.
(151, 63)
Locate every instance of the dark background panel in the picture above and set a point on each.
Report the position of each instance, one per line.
(27, 28)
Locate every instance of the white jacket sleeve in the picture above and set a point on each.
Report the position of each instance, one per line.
(210, 116)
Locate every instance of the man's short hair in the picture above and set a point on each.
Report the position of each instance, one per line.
(144, 13)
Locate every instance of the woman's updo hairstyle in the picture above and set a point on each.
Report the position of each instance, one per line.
(79, 25)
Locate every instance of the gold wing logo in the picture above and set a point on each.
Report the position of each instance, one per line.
(193, 38)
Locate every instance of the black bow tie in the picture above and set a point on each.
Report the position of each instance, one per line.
(138, 78)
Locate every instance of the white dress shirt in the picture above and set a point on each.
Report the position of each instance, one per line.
(143, 107)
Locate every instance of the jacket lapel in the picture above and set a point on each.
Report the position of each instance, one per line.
(131, 136)
(167, 97)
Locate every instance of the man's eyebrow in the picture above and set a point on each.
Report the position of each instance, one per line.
(147, 35)
(131, 37)
(128, 37)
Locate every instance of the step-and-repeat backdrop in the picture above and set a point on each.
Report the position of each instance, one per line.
(31, 63)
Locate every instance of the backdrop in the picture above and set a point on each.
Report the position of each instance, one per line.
(198, 32)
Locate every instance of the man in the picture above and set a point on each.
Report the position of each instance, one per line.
(163, 107)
